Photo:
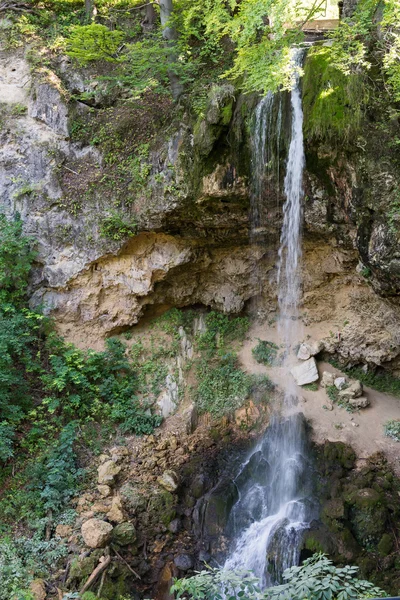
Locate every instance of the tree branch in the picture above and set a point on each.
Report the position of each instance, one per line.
(99, 569)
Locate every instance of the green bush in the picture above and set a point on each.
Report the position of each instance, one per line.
(222, 385)
(220, 330)
(21, 559)
(265, 352)
(94, 42)
(316, 579)
(392, 429)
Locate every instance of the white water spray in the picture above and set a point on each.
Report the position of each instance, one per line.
(274, 506)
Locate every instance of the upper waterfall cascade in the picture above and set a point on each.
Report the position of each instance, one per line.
(274, 505)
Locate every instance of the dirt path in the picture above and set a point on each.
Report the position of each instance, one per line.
(363, 430)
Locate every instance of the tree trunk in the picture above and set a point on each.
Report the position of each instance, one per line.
(150, 18)
(170, 34)
(89, 8)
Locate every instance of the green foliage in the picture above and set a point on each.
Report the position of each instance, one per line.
(116, 227)
(381, 381)
(22, 557)
(392, 429)
(16, 259)
(222, 386)
(334, 102)
(312, 387)
(316, 579)
(265, 352)
(94, 42)
(220, 330)
(370, 38)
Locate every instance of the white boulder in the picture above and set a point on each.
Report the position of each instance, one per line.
(306, 372)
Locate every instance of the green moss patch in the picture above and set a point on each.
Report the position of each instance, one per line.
(333, 102)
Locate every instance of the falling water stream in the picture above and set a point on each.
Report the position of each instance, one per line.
(275, 496)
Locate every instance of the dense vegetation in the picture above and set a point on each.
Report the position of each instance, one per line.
(316, 579)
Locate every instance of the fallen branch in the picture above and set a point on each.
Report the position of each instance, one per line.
(102, 580)
(127, 564)
(98, 570)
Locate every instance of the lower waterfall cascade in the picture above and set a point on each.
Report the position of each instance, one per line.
(275, 506)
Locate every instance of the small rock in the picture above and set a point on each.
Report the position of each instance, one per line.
(174, 526)
(104, 490)
(103, 458)
(304, 352)
(115, 514)
(169, 480)
(340, 382)
(63, 531)
(361, 402)
(124, 534)
(107, 472)
(96, 533)
(38, 589)
(329, 406)
(306, 372)
(184, 562)
(354, 390)
(118, 453)
(102, 507)
(204, 556)
(327, 379)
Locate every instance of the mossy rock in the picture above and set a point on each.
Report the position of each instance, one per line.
(133, 499)
(338, 454)
(82, 568)
(218, 507)
(368, 516)
(318, 539)
(385, 545)
(161, 506)
(124, 534)
(333, 509)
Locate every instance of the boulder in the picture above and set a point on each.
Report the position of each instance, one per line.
(361, 402)
(96, 533)
(306, 372)
(124, 534)
(340, 382)
(354, 390)
(184, 562)
(328, 379)
(115, 514)
(309, 349)
(107, 472)
(169, 480)
(304, 352)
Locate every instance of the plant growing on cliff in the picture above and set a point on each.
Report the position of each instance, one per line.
(265, 352)
(94, 42)
(316, 579)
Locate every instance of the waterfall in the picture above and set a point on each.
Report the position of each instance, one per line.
(274, 506)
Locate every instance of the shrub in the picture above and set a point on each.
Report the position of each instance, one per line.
(222, 386)
(265, 352)
(221, 329)
(316, 579)
(94, 42)
(392, 429)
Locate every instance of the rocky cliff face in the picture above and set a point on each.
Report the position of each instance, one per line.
(86, 178)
